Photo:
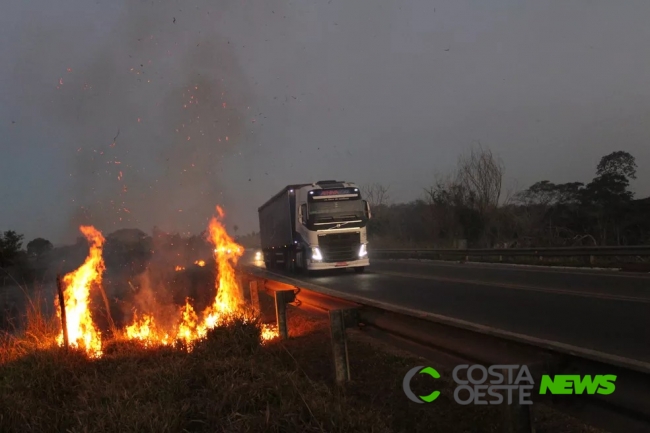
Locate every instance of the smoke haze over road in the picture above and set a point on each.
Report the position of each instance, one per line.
(135, 114)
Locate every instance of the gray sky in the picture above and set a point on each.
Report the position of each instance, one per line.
(357, 91)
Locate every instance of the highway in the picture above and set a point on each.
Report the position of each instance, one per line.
(606, 311)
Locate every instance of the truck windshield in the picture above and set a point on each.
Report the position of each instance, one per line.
(336, 210)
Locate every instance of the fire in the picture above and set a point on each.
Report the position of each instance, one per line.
(189, 328)
(81, 330)
(146, 331)
(269, 332)
(228, 302)
(229, 295)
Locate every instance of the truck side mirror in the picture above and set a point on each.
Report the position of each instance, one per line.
(368, 213)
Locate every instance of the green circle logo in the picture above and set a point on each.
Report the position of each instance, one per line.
(406, 384)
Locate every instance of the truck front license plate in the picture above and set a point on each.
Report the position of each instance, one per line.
(341, 264)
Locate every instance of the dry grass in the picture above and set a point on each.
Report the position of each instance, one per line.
(228, 382)
(32, 332)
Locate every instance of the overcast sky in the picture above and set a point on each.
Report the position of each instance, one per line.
(142, 113)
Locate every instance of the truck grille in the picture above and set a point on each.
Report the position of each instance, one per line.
(340, 247)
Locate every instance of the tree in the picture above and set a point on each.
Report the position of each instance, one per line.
(607, 195)
(482, 176)
(10, 245)
(617, 163)
(377, 197)
(127, 249)
(376, 194)
(608, 189)
(38, 247)
(479, 181)
(547, 193)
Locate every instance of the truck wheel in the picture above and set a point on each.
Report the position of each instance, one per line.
(300, 262)
(304, 265)
(359, 269)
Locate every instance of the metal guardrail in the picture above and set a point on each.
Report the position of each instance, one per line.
(452, 340)
(641, 250)
(633, 258)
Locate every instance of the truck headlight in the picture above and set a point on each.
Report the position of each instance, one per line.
(316, 255)
(258, 256)
(362, 251)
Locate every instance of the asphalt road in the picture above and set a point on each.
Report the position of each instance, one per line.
(600, 310)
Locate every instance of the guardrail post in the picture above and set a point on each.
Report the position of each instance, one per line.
(255, 296)
(339, 346)
(517, 417)
(281, 297)
(592, 260)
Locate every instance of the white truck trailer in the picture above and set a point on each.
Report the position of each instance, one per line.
(308, 227)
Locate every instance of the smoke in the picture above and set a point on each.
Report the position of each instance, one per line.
(142, 275)
(148, 109)
(152, 298)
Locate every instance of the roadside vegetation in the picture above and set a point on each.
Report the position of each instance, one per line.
(470, 208)
(230, 381)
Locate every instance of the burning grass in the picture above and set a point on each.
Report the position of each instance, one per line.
(231, 382)
(79, 330)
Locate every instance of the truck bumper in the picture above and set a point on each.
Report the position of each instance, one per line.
(317, 266)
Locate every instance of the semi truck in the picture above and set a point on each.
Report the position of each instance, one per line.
(315, 226)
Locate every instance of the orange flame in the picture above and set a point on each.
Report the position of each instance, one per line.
(76, 294)
(179, 268)
(229, 299)
(226, 254)
(146, 331)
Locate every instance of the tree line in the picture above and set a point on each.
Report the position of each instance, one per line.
(126, 251)
(469, 208)
(466, 208)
